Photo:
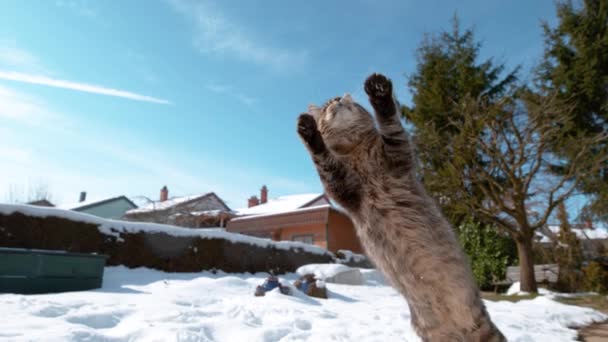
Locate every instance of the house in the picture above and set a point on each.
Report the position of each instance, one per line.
(111, 208)
(309, 218)
(594, 241)
(196, 211)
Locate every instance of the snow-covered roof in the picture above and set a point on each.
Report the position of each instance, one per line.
(158, 205)
(280, 204)
(301, 210)
(208, 213)
(591, 234)
(91, 202)
(215, 212)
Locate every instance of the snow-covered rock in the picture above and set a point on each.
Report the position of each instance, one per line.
(333, 273)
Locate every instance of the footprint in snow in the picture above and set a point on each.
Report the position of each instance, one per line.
(53, 310)
(97, 320)
(302, 324)
(275, 335)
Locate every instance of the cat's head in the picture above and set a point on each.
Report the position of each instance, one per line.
(343, 123)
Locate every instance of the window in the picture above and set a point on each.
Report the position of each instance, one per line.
(307, 238)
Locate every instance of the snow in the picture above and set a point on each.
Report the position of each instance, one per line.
(215, 212)
(333, 273)
(350, 256)
(514, 290)
(322, 271)
(280, 204)
(148, 305)
(116, 227)
(302, 210)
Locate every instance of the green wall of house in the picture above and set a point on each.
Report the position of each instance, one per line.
(112, 210)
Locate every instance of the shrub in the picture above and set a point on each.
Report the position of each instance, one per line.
(489, 251)
(595, 278)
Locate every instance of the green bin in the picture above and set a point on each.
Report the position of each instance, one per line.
(30, 271)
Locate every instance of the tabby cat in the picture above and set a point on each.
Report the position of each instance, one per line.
(368, 168)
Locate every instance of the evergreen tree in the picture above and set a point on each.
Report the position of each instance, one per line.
(568, 253)
(448, 71)
(575, 66)
(484, 143)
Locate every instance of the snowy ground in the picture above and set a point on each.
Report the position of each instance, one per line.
(148, 305)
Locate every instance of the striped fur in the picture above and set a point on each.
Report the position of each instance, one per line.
(370, 172)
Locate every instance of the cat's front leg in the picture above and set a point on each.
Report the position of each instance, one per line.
(340, 183)
(396, 146)
(380, 92)
(308, 131)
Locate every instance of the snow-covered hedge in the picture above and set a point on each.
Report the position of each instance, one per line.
(353, 259)
(163, 247)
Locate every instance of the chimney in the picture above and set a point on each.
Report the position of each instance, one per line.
(164, 194)
(83, 196)
(253, 201)
(264, 195)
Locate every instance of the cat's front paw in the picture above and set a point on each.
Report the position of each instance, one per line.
(307, 129)
(377, 86)
(307, 126)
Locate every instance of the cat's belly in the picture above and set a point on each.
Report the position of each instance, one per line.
(413, 258)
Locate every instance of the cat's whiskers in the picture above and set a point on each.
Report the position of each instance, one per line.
(356, 93)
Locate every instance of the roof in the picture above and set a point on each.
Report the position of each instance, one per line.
(42, 203)
(592, 234)
(281, 204)
(172, 202)
(287, 212)
(93, 203)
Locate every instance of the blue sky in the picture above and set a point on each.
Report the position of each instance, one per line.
(123, 97)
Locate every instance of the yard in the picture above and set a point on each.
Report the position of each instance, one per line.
(148, 305)
(596, 332)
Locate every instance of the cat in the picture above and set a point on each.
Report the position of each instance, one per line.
(368, 168)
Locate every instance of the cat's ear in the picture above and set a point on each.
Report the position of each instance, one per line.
(346, 98)
(315, 111)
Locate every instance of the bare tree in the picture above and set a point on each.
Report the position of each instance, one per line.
(504, 157)
(179, 215)
(37, 191)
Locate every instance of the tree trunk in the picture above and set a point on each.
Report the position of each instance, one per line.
(526, 265)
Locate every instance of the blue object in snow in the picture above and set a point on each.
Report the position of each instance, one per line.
(270, 284)
(303, 286)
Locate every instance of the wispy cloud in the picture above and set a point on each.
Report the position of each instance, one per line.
(227, 90)
(218, 35)
(29, 122)
(16, 58)
(84, 87)
(79, 7)
(23, 108)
